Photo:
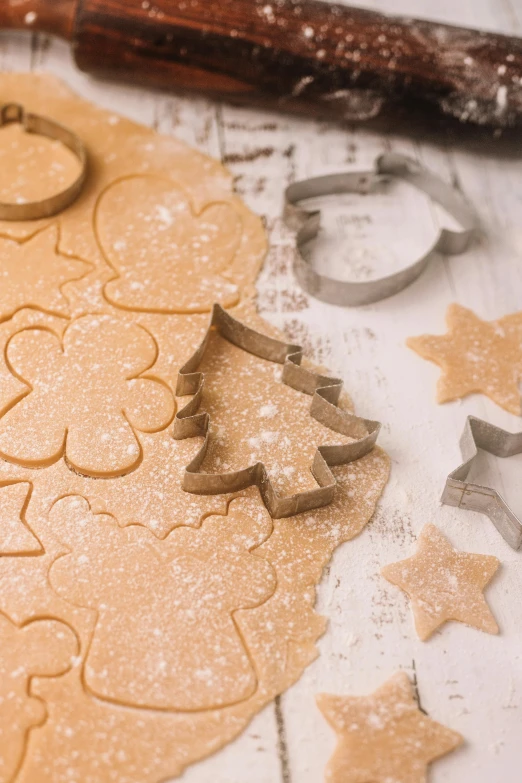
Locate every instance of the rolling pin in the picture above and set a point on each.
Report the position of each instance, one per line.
(334, 61)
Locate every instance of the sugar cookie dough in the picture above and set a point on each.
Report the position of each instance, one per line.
(85, 395)
(166, 258)
(444, 584)
(15, 536)
(39, 648)
(476, 356)
(32, 274)
(191, 612)
(384, 737)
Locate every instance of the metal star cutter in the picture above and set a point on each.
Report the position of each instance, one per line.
(479, 434)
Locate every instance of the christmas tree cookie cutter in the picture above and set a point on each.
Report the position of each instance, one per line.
(43, 126)
(479, 434)
(391, 165)
(190, 422)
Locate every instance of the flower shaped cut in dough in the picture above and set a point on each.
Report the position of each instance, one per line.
(86, 396)
(166, 258)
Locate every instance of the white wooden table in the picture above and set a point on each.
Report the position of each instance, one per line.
(470, 681)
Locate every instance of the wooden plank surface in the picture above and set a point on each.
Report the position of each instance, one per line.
(470, 681)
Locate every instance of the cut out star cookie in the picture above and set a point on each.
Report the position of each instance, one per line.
(476, 357)
(444, 584)
(39, 648)
(32, 274)
(15, 536)
(384, 737)
(166, 258)
(86, 395)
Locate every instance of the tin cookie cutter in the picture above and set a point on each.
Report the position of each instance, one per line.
(325, 392)
(307, 225)
(478, 434)
(33, 123)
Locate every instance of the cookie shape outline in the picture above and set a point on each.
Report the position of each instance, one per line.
(21, 540)
(325, 391)
(444, 584)
(476, 357)
(33, 289)
(181, 267)
(40, 647)
(383, 736)
(66, 410)
(34, 123)
(164, 637)
(480, 434)
(349, 293)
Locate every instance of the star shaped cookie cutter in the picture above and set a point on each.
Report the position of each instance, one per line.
(391, 165)
(325, 392)
(479, 434)
(43, 126)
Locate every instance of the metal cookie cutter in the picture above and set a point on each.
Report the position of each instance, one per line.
(325, 392)
(478, 434)
(33, 123)
(307, 224)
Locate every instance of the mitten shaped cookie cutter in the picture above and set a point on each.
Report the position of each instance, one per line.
(391, 165)
(325, 392)
(479, 434)
(33, 123)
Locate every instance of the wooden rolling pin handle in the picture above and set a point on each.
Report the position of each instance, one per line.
(292, 54)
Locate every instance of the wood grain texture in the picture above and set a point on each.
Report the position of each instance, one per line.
(55, 17)
(303, 55)
(470, 681)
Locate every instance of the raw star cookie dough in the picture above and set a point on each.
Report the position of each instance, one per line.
(384, 737)
(211, 600)
(476, 356)
(444, 584)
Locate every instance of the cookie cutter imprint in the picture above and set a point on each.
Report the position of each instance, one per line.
(34, 123)
(325, 392)
(391, 165)
(479, 434)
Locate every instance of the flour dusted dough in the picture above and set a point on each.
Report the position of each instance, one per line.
(444, 584)
(33, 273)
(43, 648)
(211, 601)
(85, 395)
(33, 167)
(15, 536)
(384, 737)
(476, 356)
(166, 259)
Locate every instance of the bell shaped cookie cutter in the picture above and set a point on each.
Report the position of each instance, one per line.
(325, 392)
(479, 434)
(33, 123)
(307, 225)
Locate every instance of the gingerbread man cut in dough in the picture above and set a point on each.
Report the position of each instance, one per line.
(85, 396)
(40, 648)
(166, 258)
(165, 636)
